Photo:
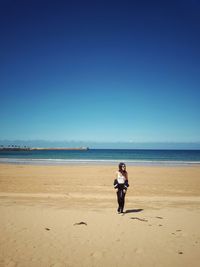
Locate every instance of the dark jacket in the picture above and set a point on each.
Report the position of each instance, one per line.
(125, 185)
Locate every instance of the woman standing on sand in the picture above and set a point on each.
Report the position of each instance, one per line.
(121, 185)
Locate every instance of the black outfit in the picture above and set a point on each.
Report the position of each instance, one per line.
(121, 194)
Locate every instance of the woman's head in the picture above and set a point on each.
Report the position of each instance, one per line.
(122, 167)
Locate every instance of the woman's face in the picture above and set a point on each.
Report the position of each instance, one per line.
(123, 167)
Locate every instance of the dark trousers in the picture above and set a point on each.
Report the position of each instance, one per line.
(121, 200)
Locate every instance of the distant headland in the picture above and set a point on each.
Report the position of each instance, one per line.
(26, 148)
(61, 148)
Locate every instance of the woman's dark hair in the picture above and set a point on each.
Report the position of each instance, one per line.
(124, 172)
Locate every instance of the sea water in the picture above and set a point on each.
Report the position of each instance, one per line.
(103, 156)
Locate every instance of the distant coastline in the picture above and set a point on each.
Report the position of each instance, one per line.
(42, 148)
(61, 148)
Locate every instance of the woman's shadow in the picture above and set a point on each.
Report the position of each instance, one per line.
(133, 211)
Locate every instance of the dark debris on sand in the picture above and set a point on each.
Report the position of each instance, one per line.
(80, 223)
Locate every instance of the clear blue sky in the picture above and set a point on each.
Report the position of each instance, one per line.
(100, 71)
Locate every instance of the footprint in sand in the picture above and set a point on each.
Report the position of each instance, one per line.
(139, 219)
(97, 255)
(57, 264)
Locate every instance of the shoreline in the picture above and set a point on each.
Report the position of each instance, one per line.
(60, 162)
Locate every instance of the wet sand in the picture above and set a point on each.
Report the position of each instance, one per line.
(66, 216)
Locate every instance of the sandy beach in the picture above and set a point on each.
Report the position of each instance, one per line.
(66, 216)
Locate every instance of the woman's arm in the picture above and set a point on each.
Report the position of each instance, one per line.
(115, 184)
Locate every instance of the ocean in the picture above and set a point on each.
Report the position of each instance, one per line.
(103, 156)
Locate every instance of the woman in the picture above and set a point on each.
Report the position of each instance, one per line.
(121, 185)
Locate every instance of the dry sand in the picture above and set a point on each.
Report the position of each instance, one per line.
(66, 216)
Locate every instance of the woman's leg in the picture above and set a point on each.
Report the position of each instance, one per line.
(123, 201)
(119, 200)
